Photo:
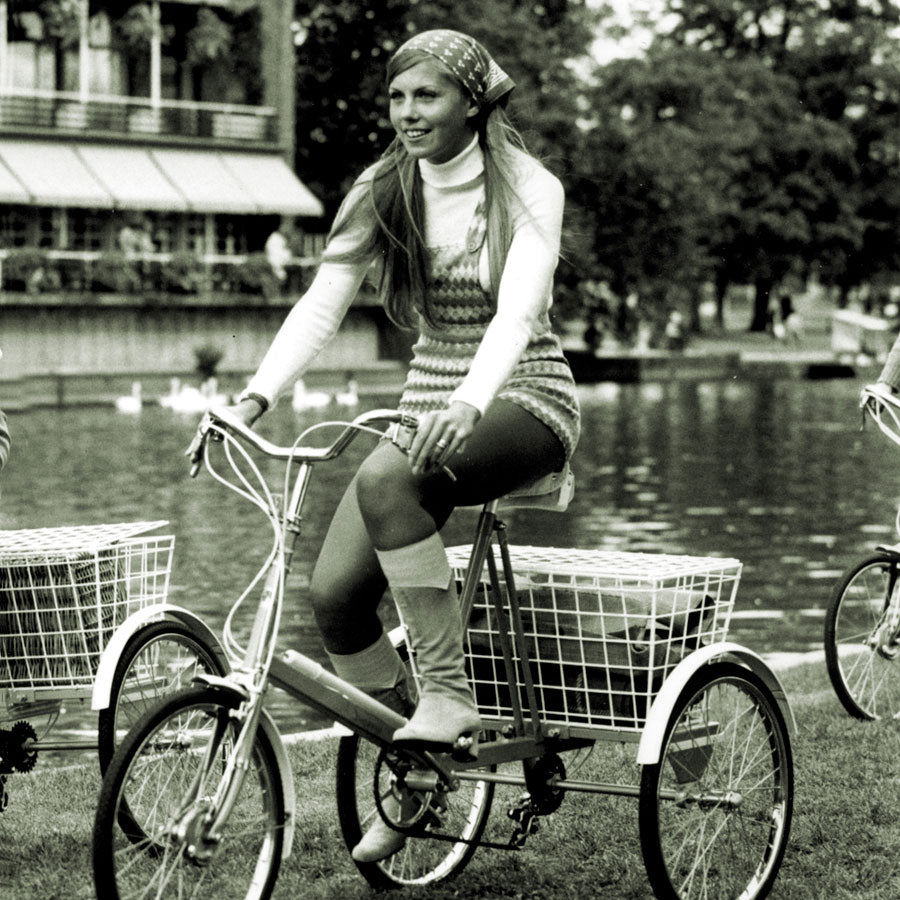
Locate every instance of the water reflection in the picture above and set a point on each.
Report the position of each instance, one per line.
(774, 473)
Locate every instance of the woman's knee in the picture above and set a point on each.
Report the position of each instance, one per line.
(397, 507)
(384, 487)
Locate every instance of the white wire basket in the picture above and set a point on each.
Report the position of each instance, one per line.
(603, 629)
(64, 590)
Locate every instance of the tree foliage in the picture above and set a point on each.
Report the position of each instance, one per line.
(754, 142)
(822, 187)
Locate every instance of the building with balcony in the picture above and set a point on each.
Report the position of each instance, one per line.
(146, 157)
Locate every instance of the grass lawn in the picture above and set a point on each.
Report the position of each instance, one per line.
(844, 840)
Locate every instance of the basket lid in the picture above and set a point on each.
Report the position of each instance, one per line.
(19, 543)
(642, 567)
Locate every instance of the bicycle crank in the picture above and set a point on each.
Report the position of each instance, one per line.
(17, 751)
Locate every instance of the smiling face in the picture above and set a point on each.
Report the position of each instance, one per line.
(430, 112)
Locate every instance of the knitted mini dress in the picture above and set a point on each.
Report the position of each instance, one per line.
(462, 309)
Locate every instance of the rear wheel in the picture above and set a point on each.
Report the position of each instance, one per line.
(170, 768)
(461, 814)
(862, 639)
(715, 811)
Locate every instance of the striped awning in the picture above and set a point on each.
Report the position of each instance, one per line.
(113, 176)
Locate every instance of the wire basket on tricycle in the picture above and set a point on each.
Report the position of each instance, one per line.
(65, 592)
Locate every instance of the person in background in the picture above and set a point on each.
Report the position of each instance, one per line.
(790, 319)
(463, 226)
(278, 252)
(4, 435)
(4, 440)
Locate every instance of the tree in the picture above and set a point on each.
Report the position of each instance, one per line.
(644, 171)
(819, 189)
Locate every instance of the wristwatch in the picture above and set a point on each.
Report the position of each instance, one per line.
(258, 398)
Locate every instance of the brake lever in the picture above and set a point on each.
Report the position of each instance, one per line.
(195, 450)
(402, 434)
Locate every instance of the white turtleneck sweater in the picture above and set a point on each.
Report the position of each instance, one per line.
(451, 193)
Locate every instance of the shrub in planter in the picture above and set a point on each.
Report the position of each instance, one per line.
(74, 275)
(208, 357)
(25, 270)
(182, 273)
(255, 276)
(115, 273)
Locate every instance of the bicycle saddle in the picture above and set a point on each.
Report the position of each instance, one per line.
(552, 492)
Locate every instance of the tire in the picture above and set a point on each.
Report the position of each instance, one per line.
(715, 811)
(154, 767)
(864, 673)
(422, 860)
(158, 660)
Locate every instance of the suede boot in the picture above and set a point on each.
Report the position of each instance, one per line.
(421, 582)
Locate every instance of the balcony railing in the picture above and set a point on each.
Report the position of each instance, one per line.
(82, 276)
(136, 118)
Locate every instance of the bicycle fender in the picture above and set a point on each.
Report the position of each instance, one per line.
(267, 724)
(158, 612)
(650, 745)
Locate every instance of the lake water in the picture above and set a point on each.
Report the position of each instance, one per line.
(775, 473)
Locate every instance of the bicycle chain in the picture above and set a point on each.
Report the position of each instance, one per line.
(525, 813)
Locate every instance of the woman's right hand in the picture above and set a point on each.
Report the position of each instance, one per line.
(247, 410)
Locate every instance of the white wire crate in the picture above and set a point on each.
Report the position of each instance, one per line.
(603, 629)
(64, 590)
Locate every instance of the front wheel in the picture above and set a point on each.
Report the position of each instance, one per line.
(460, 816)
(862, 638)
(158, 660)
(715, 811)
(170, 768)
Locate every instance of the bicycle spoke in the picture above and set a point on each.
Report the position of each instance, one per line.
(724, 833)
(166, 779)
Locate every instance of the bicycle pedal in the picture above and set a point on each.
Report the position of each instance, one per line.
(465, 750)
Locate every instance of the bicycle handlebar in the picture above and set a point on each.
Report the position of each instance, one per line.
(884, 407)
(220, 418)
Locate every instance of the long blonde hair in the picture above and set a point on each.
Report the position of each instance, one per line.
(391, 211)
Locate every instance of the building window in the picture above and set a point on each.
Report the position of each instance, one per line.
(231, 235)
(87, 229)
(195, 234)
(165, 231)
(48, 229)
(14, 226)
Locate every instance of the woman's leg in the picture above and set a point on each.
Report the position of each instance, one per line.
(403, 512)
(508, 448)
(347, 582)
(346, 588)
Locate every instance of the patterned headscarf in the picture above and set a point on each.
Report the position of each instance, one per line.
(467, 59)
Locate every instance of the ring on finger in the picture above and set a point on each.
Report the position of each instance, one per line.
(442, 444)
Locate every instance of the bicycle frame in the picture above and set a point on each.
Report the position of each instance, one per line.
(311, 683)
(708, 742)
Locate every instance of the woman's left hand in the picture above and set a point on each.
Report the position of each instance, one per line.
(441, 434)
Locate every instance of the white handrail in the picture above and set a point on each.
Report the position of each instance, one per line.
(118, 99)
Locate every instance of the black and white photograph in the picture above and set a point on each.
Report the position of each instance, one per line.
(449, 447)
